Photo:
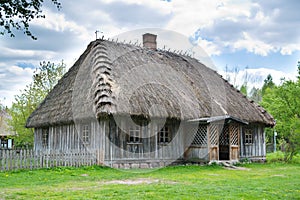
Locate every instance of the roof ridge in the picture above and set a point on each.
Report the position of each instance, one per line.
(178, 52)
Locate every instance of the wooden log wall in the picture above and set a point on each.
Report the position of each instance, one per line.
(255, 151)
(121, 153)
(63, 137)
(111, 146)
(70, 137)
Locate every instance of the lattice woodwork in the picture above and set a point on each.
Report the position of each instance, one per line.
(214, 134)
(224, 136)
(234, 137)
(200, 137)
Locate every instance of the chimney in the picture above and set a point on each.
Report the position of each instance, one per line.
(149, 41)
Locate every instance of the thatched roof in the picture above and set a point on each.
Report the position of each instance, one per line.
(114, 78)
(4, 127)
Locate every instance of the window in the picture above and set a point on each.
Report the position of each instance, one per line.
(4, 142)
(45, 137)
(86, 133)
(248, 136)
(164, 135)
(134, 134)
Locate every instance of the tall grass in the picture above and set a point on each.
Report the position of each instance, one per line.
(278, 157)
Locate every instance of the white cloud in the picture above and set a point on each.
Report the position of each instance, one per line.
(253, 45)
(188, 17)
(161, 6)
(57, 21)
(18, 71)
(13, 79)
(258, 27)
(24, 54)
(290, 48)
(209, 47)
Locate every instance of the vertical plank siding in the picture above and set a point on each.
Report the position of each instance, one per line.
(148, 152)
(109, 144)
(256, 151)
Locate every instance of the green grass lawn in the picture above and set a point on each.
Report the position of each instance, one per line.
(259, 181)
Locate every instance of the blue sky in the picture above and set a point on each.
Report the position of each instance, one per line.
(277, 61)
(260, 35)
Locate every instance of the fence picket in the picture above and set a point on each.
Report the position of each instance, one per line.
(30, 159)
(10, 160)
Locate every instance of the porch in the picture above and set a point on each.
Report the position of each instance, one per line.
(216, 139)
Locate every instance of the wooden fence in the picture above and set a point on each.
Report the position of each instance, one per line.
(30, 159)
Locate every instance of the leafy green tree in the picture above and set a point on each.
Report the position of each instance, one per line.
(243, 89)
(294, 138)
(268, 83)
(283, 102)
(44, 79)
(17, 14)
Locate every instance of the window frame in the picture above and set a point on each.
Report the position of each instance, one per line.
(248, 136)
(134, 134)
(86, 133)
(45, 137)
(4, 142)
(164, 135)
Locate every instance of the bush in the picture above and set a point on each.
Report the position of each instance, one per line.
(296, 159)
(275, 157)
(279, 156)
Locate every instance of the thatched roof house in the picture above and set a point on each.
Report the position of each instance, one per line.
(112, 83)
(5, 133)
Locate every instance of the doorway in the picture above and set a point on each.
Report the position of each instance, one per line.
(224, 149)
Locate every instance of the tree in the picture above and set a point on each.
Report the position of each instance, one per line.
(1, 115)
(298, 77)
(17, 14)
(243, 89)
(268, 83)
(294, 138)
(44, 79)
(283, 102)
(1, 106)
(255, 94)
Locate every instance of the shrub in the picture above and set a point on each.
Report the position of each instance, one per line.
(277, 156)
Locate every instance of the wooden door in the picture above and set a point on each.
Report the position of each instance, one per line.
(224, 148)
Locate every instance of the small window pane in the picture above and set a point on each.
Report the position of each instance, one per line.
(134, 134)
(86, 134)
(45, 137)
(248, 136)
(164, 135)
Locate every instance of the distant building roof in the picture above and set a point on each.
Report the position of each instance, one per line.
(4, 128)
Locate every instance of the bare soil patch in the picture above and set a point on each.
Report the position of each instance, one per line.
(138, 181)
(237, 168)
